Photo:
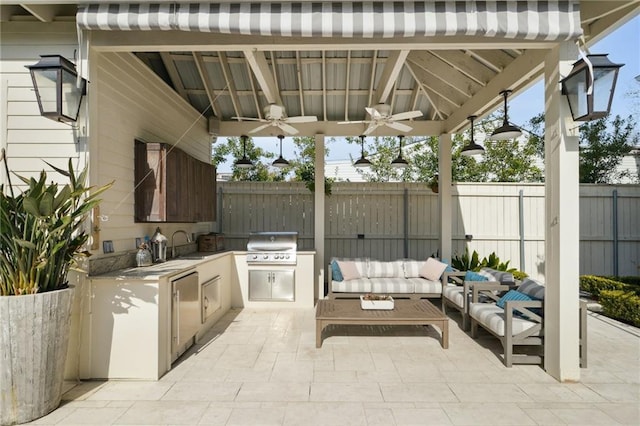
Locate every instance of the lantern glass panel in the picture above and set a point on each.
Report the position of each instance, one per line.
(47, 88)
(576, 91)
(603, 89)
(71, 96)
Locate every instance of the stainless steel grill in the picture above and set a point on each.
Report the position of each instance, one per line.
(272, 248)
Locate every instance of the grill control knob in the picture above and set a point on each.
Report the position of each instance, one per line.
(266, 256)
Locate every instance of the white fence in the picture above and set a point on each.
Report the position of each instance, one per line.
(394, 220)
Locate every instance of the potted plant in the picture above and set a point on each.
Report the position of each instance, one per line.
(41, 234)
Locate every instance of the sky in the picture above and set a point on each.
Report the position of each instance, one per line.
(622, 45)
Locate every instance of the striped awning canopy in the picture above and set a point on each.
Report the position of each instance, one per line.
(526, 20)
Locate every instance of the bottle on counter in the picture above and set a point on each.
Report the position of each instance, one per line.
(143, 256)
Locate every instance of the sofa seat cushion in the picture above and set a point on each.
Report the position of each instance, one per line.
(423, 285)
(455, 294)
(391, 285)
(359, 285)
(492, 317)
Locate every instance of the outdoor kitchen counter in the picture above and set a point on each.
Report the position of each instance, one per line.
(166, 269)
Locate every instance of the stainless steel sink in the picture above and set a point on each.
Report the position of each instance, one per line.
(197, 255)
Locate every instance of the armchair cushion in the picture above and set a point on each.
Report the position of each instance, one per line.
(495, 275)
(493, 317)
(474, 276)
(432, 269)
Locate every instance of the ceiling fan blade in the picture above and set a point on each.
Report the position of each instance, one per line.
(257, 129)
(249, 119)
(301, 119)
(289, 129)
(405, 115)
(399, 126)
(373, 113)
(374, 125)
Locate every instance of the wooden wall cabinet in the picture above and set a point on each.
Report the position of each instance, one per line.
(172, 186)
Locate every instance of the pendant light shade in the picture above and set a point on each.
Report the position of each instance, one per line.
(280, 162)
(472, 148)
(362, 161)
(244, 162)
(507, 130)
(399, 162)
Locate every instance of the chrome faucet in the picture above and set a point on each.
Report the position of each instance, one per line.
(173, 246)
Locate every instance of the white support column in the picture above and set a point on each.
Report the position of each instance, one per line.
(444, 194)
(318, 218)
(562, 232)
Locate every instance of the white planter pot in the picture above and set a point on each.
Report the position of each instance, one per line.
(34, 335)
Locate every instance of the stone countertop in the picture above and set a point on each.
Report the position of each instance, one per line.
(171, 267)
(162, 270)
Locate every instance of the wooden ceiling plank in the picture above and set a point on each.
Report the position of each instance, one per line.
(436, 86)
(174, 75)
(430, 99)
(372, 81)
(231, 85)
(392, 67)
(266, 81)
(44, 13)
(204, 76)
(254, 90)
(494, 59)
(300, 85)
(466, 65)
(445, 72)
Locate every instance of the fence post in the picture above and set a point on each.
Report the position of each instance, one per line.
(615, 231)
(521, 226)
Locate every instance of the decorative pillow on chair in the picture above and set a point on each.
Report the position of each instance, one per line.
(449, 268)
(474, 276)
(512, 295)
(336, 273)
(349, 270)
(432, 269)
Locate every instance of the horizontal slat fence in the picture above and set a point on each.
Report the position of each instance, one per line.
(389, 221)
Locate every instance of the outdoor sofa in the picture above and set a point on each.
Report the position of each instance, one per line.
(404, 278)
(517, 318)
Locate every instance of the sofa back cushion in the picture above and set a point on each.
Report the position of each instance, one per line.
(432, 269)
(379, 269)
(412, 268)
(532, 288)
(362, 265)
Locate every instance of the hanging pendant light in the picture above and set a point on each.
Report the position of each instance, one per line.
(280, 162)
(472, 148)
(506, 131)
(399, 162)
(362, 161)
(244, 162)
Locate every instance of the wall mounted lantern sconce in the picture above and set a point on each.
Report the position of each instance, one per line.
(590, 86)
(362, 161)
(472, 148)
(280, 162)
(399, 162)
(55, 81)
(244, 162)
(507, 130)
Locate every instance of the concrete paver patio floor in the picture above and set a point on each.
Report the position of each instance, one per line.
(261, 367)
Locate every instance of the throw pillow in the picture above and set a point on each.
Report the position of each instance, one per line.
(432, 269)
(448, 268)
(474, 276)
(512, 295)
(336, 274)
(349, 270)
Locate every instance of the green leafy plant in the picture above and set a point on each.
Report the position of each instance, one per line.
(41, 230)
(465, 262)
(595, 285)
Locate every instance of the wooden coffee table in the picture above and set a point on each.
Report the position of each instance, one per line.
(405, 312)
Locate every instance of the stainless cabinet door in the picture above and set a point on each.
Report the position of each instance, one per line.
(186, 313)
(282, 285)
(260, 285)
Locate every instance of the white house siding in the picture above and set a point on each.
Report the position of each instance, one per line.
(129, 102)
(28, 137)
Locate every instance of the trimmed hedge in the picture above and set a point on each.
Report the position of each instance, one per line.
(634, 281)
(594, 285)
(622, 305)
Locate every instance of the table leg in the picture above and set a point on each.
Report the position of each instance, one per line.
(445, 334)
(318, 333)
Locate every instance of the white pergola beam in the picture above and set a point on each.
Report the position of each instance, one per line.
(174, 75)
(44, 13)
(258, 63)
(200, 66)
(392, 67)
(443, 71)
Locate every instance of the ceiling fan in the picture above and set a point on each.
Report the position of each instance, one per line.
(381, 116)
(274, 115)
